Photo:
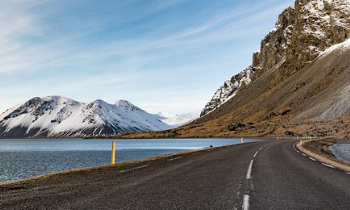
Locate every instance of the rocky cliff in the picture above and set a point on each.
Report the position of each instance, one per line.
(301, 33)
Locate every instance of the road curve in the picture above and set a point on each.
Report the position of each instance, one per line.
(263, 175)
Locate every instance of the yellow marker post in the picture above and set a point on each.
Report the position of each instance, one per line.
(242, 140)
(113, 153)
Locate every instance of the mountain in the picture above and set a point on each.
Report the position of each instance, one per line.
(301, 33)
(300, 85)
(229, 90)
(178, 120)
(56, 116)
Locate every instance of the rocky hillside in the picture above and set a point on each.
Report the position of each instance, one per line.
(229, 90)
(56, 116)
(301, 33)
(300, 86)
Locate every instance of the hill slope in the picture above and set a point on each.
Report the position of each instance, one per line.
(302, 32)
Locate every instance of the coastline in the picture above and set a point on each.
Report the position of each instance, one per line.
(118, 166)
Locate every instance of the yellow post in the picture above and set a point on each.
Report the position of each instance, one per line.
(113, 153)
(242, 140)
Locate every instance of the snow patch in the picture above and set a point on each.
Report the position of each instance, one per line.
(339, 48)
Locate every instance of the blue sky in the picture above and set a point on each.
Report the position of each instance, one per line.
(161, 55)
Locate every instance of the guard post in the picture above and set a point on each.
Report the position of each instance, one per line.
(113, 153)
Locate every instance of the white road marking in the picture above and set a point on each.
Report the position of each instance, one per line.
(312, 159)
(303, 154)
(348, 173)
(293, 146)
(174, 158)
(256, 153)
(133, 169)
(328, 165)
(298, 151)
(245, 205)
(249, 172)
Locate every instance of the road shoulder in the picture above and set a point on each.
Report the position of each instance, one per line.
(319, 150)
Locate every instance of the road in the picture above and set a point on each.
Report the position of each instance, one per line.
(263, 175)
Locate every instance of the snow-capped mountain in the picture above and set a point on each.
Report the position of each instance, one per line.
(56, 116)
(228, 90)
(178, 120)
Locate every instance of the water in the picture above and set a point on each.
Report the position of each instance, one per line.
(341, 151)
(21, 159)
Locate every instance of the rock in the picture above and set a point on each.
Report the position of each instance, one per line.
(289, 133)
(235, 127)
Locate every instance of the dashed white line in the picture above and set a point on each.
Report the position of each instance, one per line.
(256, 153)
(174, 158)
(249, 172)
(313, 159)
(133, 169)
(328, 165)
(245, 205)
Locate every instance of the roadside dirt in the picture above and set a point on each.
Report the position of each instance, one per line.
(319, 149)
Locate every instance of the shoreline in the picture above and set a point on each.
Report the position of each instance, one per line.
(122, 138)
(319, 150)
(118, 166)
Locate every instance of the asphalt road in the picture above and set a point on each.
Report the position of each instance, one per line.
(264, 175)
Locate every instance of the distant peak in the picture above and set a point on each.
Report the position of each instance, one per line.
(127, 105)
(124, 103)
(165, 115)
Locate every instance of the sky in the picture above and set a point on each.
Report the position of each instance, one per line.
(161, 55)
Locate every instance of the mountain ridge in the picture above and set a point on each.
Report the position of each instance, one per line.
(57, 116)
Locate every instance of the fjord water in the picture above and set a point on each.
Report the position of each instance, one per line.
(341, 151)
(21, 159)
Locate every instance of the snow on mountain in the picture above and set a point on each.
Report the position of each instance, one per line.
(339, 48)
(228, 90)
(178, 120)
(56, 116)
(165, 115)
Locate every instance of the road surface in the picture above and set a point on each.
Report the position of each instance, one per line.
(263, 175)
